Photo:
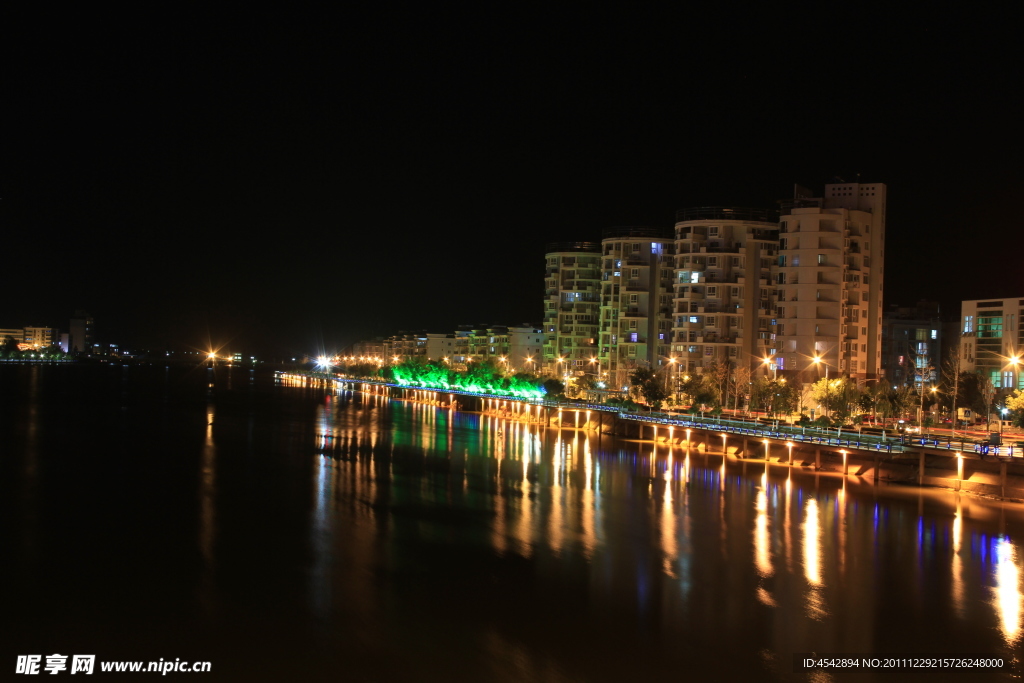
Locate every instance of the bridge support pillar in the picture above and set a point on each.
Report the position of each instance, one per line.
(920, 470)
(746, 448)
(817, 458)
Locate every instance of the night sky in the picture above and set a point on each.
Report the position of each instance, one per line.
(282, 182)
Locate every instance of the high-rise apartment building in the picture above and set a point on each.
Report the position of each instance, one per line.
(992, 340)
(911, 344)
(637, 272)
(828, 281)
(796, 292)
(723, 291)
(572, 307)
(81, 338)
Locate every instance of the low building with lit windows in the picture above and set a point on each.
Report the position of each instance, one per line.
(992, 340)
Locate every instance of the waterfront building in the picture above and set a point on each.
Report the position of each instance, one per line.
(41, 337)
(405, 346)
(992, 340)
(514, 349)
(828, 281)
(722, 295)
(441, 345)
(911, 343)
(373, 348)
(31, 337)
(527, 341)
(15, 333)
(572, 308)
(637, 266)
(80, 339)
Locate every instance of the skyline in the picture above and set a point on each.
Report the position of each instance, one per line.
(321, 183)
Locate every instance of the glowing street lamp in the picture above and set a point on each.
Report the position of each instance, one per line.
(773, 366)
(818, 361)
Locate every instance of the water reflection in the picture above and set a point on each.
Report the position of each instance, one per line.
(1007, 590)
(699, 545)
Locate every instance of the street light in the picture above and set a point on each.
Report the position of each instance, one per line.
(671, 377)
(818, 361)
(774, 367)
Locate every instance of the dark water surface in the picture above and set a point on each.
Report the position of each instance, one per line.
(288, 533)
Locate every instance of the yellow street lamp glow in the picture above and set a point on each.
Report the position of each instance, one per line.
(211, 355)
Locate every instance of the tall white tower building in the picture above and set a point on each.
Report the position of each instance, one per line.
(828, 281)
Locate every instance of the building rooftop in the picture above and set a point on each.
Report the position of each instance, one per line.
(727, 213)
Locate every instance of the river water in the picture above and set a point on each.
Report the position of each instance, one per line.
(285, 532)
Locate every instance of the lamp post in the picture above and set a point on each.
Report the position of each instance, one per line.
(774, 367)
(818, 361)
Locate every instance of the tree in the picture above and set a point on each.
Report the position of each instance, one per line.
(553, 387)
(774, 396)
(977, 392)
(839, 396)
(951, 377)
(581, 385)
(1015, 404)
(894, 403)
(741, 385)
(645, 382)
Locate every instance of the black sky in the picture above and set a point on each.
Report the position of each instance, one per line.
(281, 181)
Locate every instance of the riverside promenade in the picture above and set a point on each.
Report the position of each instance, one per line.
(960, 464)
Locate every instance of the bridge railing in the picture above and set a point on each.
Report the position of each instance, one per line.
(801, 435)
